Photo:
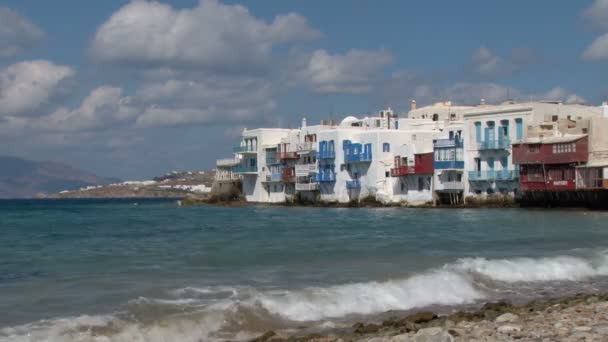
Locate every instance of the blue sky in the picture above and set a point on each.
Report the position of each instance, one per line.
(135, 89)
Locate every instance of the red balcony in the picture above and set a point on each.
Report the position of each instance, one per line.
(551, 178)
(423, 165)
(287, 155)
(289, 175)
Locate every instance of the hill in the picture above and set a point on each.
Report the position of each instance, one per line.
(21, 178)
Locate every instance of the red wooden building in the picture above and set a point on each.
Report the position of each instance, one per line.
(549, 164)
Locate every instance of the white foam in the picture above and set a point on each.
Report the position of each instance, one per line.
(535, 270)
(437, 287)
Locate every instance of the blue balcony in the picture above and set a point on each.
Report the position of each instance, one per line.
(354, 184)
(493, 144)
(327, 154)
(272, 161)
(449, 164)
(245, 169)
(492, 175)
(325, 177)
(358, 158)
(448, 143)
(274, 177)
(244, 149)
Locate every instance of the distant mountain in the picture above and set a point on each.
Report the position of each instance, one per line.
(20, 178)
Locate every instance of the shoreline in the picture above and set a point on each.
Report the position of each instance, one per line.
(582, 317)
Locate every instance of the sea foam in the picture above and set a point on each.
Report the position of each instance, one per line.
(220, 312)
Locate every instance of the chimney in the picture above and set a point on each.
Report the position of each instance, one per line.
(413, 105)
(303, 122)
(605, 109)
(482, 102)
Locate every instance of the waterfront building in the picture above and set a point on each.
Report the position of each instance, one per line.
(489, 132)
(565, 159)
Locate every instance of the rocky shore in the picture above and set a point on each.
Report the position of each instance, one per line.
(578, 318)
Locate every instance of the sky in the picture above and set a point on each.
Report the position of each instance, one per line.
(134, 89)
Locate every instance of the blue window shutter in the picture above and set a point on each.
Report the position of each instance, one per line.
(478, 131)
(519, 129)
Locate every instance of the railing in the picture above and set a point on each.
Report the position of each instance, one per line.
(326, 177)
(448, 164)
(494, 144)
(272, 161)
(230, 176)
(326, 154)
(492, 175)
(306, 146)
(453, 185)
(245, 149)
(307, 186)
(287, 155)
(448, 143)
(245, 169)
(274, 177)
(227, 162)
(289, 175)
(358, 158)
(354, 184)
(402, 171)
(305, 169)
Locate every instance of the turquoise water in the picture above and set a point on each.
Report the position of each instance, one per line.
(121, 270)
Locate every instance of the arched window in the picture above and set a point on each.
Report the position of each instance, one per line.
(386, 147)
(435, 117)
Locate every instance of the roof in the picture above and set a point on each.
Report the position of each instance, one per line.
(552, 140)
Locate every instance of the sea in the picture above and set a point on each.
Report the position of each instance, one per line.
(150, 270)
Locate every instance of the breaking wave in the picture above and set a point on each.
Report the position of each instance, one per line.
(217, 313)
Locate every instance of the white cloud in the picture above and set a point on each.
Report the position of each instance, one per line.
(103, 107)
(486, 62)
(355, 72)
(597, 14)
(211, 35)
(206, 100)
(16, 32)
(26, 87)
(598, 48)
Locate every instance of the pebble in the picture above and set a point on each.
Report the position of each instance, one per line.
(506, 318)
(582, 329)
(509, 328)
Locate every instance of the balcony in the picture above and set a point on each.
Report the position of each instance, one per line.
(306, 147)
(245, 149)
(274, 177)
(326, 177)
(307, 186)
(354, 184)
(227, 162)
(449, 164)
(450, 186)
(493, 145)
(326, 154)
(287, 155)
(245, 169)
(289, 175)
(271, 160)
(305, 169)
(358, 158)
(492, 175)
(402, 171)
(448, 143)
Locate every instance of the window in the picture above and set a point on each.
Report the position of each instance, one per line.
(402, 186)
(420, 184)
(435, 117)
(534, 148)
(554, 118)
(386, 147)
(478, 131)
(519, 129)
(564, 148)
(387, 174)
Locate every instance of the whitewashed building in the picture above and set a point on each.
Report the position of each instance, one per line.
(489, 131)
